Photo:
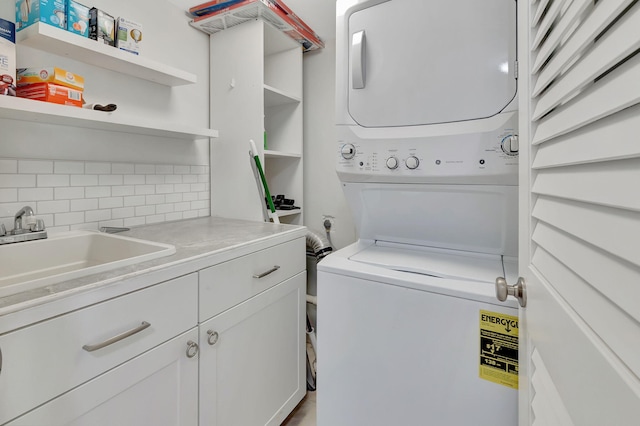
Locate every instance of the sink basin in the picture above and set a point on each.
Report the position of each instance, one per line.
(65, 256)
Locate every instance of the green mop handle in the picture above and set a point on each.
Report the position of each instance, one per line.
(256, 157)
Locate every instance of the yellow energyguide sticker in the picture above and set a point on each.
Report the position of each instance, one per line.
(499, 348)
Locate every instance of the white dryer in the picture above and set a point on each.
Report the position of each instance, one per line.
(409, 329)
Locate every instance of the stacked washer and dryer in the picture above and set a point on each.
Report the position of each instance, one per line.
(428, 159)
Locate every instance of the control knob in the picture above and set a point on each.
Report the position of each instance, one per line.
(392, 163)
(348, 151)
(511, 145)
(412, 162)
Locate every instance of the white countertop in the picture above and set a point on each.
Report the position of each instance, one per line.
(199, 243)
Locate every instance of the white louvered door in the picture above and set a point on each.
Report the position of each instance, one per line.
(580, 212)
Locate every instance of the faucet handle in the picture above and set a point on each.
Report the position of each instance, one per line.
(37, 226)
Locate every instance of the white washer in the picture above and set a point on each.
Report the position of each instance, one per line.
(398, 347)
(427, 155)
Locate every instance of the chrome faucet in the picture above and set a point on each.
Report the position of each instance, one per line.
(25, 228)
(17, 224)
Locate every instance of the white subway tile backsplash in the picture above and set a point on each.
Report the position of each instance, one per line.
(106, 180)
(84, 180)
(155, 199)
(134, 221)
(52, 180)
(164, 169)
(68, 193)
(123, 169)
(137, 200)
(182, 187)
(61, 206)
(97, 168)
(154, 179)
(68, 167)
(84, 204)
(97, 191)
(35, 194)
(190, 196)
(61, 219)
(8, 166)
(173, 198)
(17, 181)
(110, 202)
(145, 189)
(85, 195)
(97, 215)
(134, 179)
(145, 169)
(123, 213)
(121, 191)
(164, 189)
(9, 195)
(145, 210)
(35, 166)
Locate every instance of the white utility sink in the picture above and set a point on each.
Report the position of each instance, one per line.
(65, 256)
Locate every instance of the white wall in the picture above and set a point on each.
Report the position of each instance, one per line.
(323, 196)
(70, 154)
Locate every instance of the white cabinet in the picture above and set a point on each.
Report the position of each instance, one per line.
(256, 87)
(44, 360)
(159, 387)
(252, 368)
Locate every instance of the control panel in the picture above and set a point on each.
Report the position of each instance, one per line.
(487, 156)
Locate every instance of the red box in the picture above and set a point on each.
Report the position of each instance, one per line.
(50, 92)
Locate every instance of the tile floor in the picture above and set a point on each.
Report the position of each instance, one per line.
(305, 413)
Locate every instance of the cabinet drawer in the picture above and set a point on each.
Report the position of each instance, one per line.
(46, 359)
(227, 284)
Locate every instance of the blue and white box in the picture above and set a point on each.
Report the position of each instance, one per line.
(52, 12)
(7, 58)
(77, 18)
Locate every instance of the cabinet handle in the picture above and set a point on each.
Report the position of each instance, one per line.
(192, 349)
(114, 339)
(212, 337)
(264, 274)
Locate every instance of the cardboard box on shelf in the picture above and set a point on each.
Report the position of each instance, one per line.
(53, 93)
(53, 75)
(101, 26)
(77, 18)
(128, 35)
(7, 58)
(52, 12)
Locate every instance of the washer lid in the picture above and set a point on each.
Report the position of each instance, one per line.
(433, 262)
(417, 62)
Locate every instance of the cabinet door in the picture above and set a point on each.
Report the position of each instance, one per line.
(254, 373)
(159, 387)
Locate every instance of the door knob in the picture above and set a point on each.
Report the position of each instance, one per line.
(503, 290)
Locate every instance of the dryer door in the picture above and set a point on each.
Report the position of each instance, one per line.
(417, 62)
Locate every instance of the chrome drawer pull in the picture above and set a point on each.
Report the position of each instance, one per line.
(114, 339)
(264, 274)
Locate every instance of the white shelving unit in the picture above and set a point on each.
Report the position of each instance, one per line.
(49, 113)
(256, 86)
(60, 42)
(64, 43)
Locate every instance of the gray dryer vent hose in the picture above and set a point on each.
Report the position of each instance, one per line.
(318, 245)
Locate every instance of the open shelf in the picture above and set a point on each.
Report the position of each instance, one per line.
(64, 43)
(278, 154)
(285, 213)
(44, 112)
(273, 97)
